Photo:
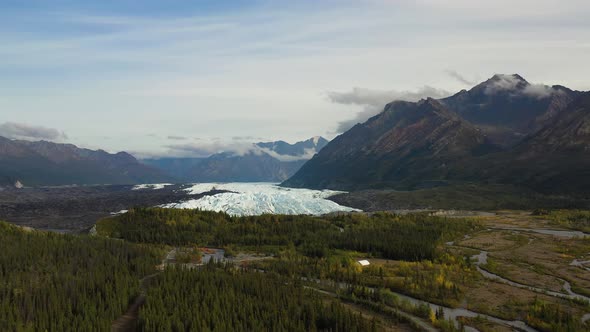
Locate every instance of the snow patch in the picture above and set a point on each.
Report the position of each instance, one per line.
(247, 199)
(153, 186)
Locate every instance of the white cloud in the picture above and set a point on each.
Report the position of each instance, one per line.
(29, 132)
(539, 90)
(307, 154)
(503, 83)
(206, 148)
(516, 84)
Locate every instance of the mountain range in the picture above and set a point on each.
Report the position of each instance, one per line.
(504, 130)
(44, 163)
(264, 162)
(47, 163)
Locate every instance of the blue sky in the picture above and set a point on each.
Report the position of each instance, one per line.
(194, 77)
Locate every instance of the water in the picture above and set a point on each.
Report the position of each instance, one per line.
(454, 313)
(554, 232)
(450, 313)
(581, 264)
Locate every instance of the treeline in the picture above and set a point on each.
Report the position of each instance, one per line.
(221, 298)
(55, 282)
(408, 237)
(552, 317)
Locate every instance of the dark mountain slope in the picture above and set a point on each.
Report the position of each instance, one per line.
(557, 157)
(408, 145)
(507, 107)
(47, 163)
(568, 132)
(554, 160)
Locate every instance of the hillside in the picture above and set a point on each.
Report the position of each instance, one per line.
(46, 163)
(554, 159)
(404, 145)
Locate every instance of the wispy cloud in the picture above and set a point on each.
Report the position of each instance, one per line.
(235, 147)
(30, 132)
(460, 78)
(207, 148)
(177, 138)
(307, 154)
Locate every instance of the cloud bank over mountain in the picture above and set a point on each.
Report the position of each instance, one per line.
(29, 132)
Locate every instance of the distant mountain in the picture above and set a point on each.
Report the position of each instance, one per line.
(504, 130)
(179, 168)
(47, 163)
(405, 144)
(265, 162)
(300, 149)
(250, 167)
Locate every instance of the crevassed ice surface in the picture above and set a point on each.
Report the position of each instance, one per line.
(154, 186)
(247, 199)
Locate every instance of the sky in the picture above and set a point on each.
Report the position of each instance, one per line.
(190, 78)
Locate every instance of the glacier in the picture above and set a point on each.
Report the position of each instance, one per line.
(248, 199)
(153, 186)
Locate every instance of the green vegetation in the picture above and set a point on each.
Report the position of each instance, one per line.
(221, 298)
(61, 282)
(439, 281)
(552, 317)
(312, 281)
(572, 219)
(189, 255)
(411, 237)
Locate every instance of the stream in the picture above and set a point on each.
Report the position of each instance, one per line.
(482, 258)
(554, 232)
(450, 313)
(454, 313)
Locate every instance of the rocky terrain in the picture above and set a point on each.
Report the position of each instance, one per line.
(76, 209)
